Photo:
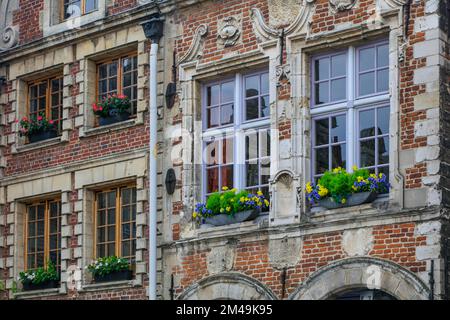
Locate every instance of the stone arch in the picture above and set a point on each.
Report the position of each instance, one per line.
(362, 272)
(227, 285)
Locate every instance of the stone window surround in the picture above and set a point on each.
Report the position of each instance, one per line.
(52, 16)
(301, 71)
(87, 83)
(192, 75)
(24, 192)
(84, 209)
(19, 103)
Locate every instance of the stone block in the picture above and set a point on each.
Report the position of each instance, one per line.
(428, 252)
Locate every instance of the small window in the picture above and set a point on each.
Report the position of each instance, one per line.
(43, 234)
(46, 97)
(76, 8)
(257, 161)
(115, 223)
(118, 76)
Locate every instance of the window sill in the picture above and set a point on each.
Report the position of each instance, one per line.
(210, 231)
(38, 145)
(109, 128)
(37, 293)
(109, 286)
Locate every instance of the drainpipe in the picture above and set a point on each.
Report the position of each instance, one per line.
(153, 30)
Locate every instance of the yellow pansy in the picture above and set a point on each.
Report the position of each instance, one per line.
(373, 175)
(343, 201)
(380, 175)
(322, 191)
(354, 188)
(359, 178)
(221, 209)
(228, 209)
(194, 215)
(259, 193)
(355, 168)
(309, 188)
(266, 202)
(224, 188)
(242, 199)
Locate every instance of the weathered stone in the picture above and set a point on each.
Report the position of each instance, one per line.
(357, 242)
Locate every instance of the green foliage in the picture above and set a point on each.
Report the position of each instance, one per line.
(40, 275)
(35, 124)
(230, 202)
(2, 285)
(103, 266)
(112, 104)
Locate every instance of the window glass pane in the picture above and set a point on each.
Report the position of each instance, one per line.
(111, 233)
(213, 95)
(227, 176)
(212, 180)
(126, 252)
(322, 69)
(265, 109)
(111, 216)
(338, 156)
(213, 117)
(383, 150)
(101, 235)
(321, 160)
(212, 153)
(338, 89)
(127, 64)
(367, 123)
(111, 249)
(251, 107)
(31, 245)
(101, 218)
(111, 199)
(251, 146)
(252, 173)
(366, 59)
(383, 55)
(265, 83)
(102, 71)
(265, 170)
(101, 200)
(53, 242)
(43, 89)
(40, 260)
(383, 120)
(126, 196)
(383, 80)
(338, 128)
(366, 83)
(126, 231)
(227, 114)
(112, 68)
(322, 132)
(227, 92)
(227, 150)
(40, 212)
(265, 143)
(321, 94)
(367, 153)
(251, 86)
(31, 229)
(40, 244)
(53, 225)
(127, 79)
(125, 213)
(338, 65)
(101, 251)
(112, 85)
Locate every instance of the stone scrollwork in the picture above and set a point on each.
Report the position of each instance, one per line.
(341, 5)
(283, 72)
(229, 31)
(265, 32)
(9, 35)
(194, 51)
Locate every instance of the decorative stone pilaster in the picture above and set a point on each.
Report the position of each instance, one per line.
(9, 34)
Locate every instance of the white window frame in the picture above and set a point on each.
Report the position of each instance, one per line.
(238, 129)
(351, 106)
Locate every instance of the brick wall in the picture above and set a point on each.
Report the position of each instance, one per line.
(394, 242)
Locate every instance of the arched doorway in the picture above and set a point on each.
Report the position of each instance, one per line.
(227, 286)
(366, 274)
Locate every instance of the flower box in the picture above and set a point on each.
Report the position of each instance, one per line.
(113, 118)
(225, 219)
(114, 276)
(42, 135)
(354, 199)
(29, 286)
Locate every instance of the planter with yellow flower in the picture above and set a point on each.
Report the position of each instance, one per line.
(339, 188)
(230, 206)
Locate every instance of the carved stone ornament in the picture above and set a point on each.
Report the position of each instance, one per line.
(283, 72)
(195, 50)
(341, 5)
(9, 35)
(266, 32)
(229, 31)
